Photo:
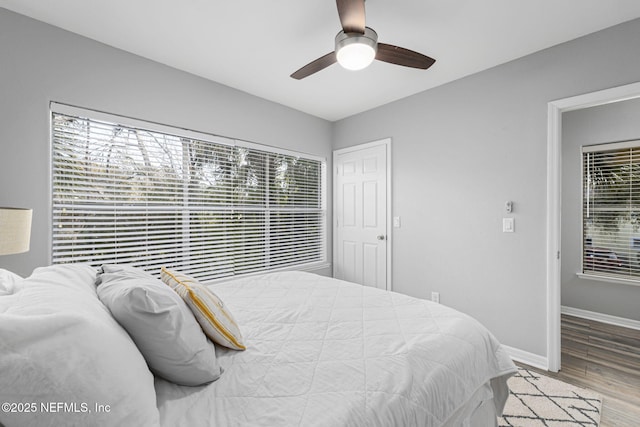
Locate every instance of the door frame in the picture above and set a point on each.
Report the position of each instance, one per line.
(554, 201)
(386, 142)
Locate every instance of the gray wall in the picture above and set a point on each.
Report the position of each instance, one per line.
(40, 63)
(459, 152)
(608, 123)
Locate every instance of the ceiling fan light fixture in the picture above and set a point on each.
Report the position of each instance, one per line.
(356, 51)
(356, 46)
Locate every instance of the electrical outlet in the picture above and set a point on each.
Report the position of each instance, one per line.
(435, 297)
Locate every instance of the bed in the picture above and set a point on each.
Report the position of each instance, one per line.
(319, 352)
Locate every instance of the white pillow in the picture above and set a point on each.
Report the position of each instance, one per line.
(160, 323)
(8, 282)
(213, 316)
(65, 361)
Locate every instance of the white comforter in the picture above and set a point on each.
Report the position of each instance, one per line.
(323, 352)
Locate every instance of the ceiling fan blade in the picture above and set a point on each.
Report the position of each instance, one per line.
(401, 56)
(315, 66)
(352, 16)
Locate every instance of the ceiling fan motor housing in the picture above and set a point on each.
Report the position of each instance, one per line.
(356, 51)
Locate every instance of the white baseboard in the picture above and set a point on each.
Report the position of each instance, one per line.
(527, 358)
(600, 317)
(542, 362)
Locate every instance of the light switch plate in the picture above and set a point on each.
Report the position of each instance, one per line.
(396, 222)
(508, 225)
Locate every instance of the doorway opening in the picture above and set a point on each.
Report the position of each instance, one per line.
(554, 201)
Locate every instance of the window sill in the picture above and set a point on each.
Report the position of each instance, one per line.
(610, 279)
(312, 267)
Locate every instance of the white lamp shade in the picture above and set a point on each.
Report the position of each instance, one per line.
(15, 230)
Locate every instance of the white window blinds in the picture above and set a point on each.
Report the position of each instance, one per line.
(211, 208)
(611, 210)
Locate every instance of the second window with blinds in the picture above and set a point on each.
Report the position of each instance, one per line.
(154, 195)
(611, 211)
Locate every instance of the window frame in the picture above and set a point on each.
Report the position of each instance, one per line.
(128, 122)
(591, 274)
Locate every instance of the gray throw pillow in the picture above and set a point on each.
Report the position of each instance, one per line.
(160, 323)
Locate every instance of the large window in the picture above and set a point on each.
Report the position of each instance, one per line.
(611, 211)
(149, 195)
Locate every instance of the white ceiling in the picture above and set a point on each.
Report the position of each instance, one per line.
(254, 45)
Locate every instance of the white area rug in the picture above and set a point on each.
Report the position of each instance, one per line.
(537, 400)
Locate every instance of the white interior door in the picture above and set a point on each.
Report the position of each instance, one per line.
(361, 240)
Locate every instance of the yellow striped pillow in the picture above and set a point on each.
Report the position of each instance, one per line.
(214, 318)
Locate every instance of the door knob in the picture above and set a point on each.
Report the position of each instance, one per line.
(381, 237)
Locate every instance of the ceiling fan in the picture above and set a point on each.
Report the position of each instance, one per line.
(357, 46)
